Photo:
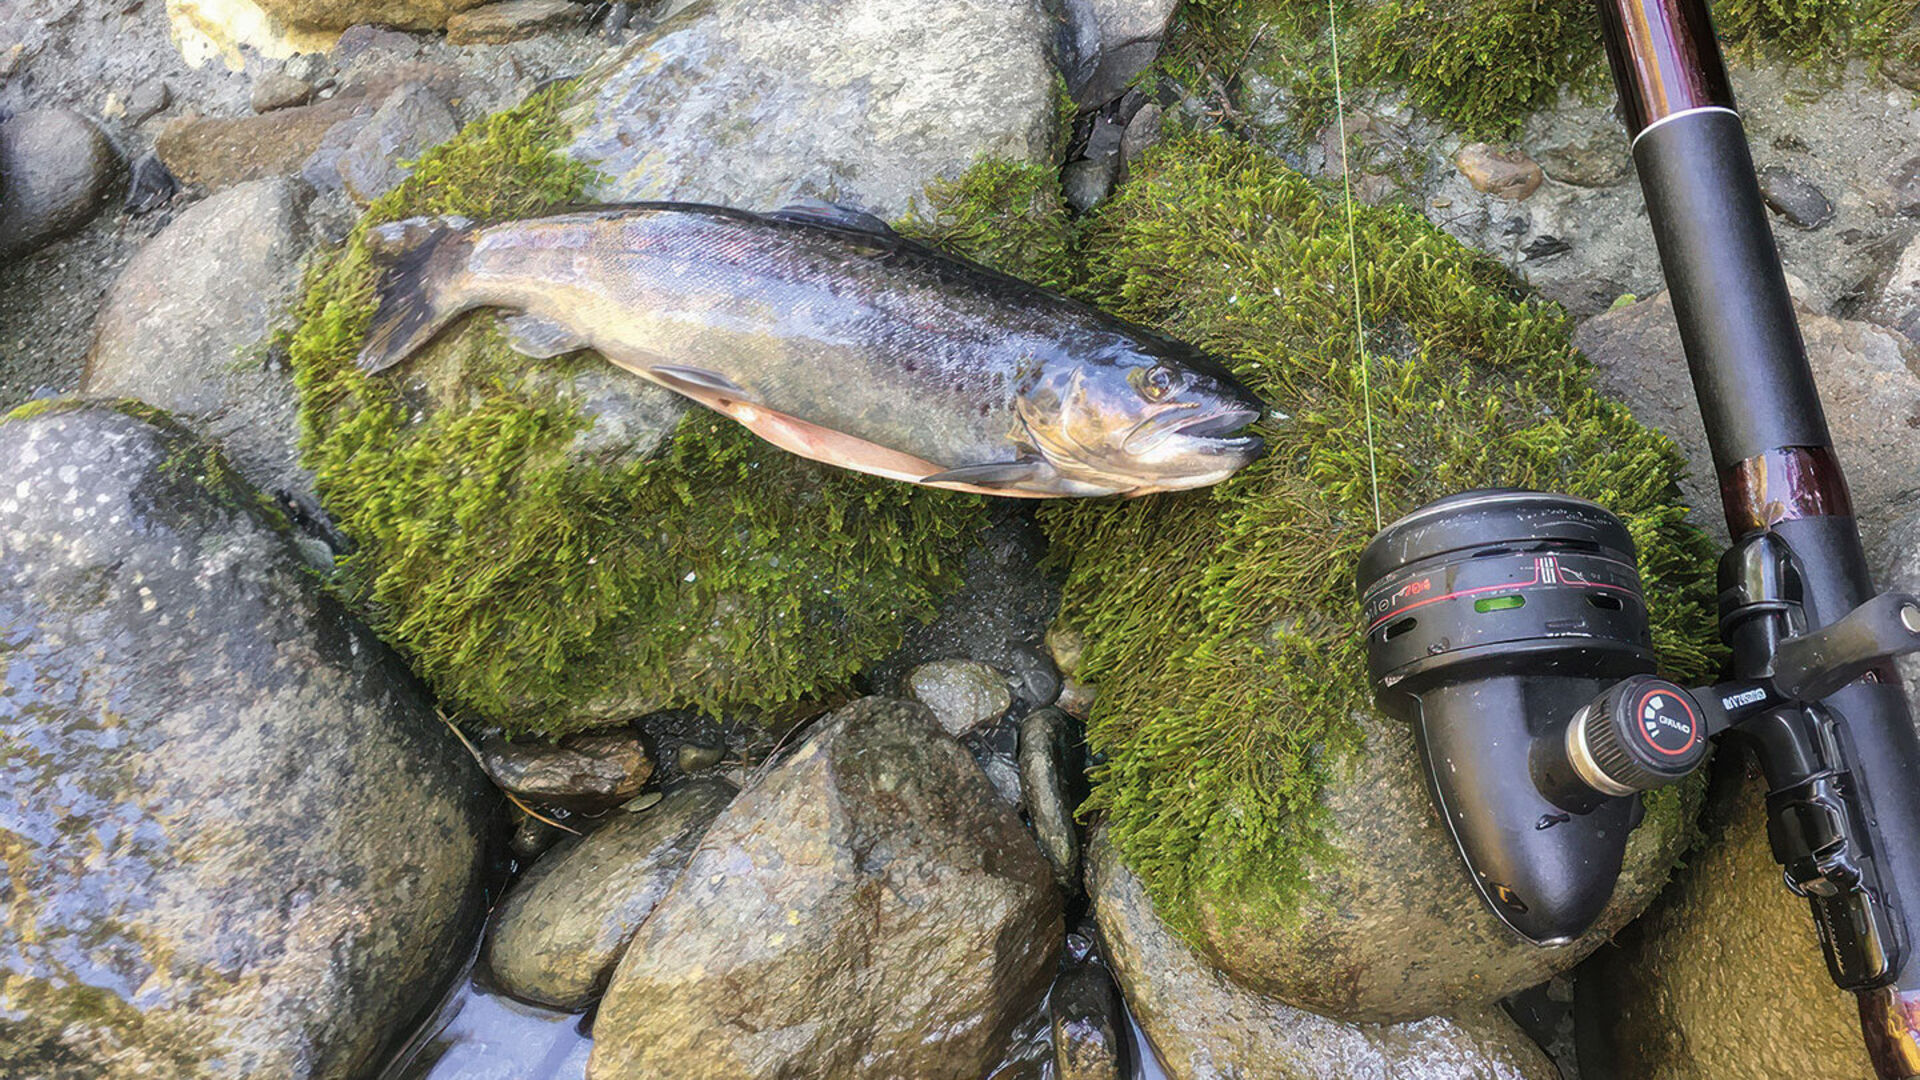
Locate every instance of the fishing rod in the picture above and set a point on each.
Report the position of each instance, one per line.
(1510, 627)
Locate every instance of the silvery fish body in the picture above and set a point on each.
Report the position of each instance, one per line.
(826, 333)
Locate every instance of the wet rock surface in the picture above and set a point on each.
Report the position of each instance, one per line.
(763, 103)
(1052, 785)
(865, 908)
(963, 694)
(1507, 174)
(564, 925)
(1088, 1028)
(511, 21)
(56, 169)
(215, 152)
(176, 334)
(586, 771)
(1112, 41)
(1725, 977)
(1391, 930)
(240, 844)
(1204, 1025)
(410, 120)
(1798, 200)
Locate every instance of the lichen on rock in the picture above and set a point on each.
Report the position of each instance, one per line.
(548, 580)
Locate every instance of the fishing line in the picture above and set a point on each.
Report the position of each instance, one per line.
(1353, 259)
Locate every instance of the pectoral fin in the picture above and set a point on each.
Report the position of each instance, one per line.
(687, 379)
(998, 474)
(540, 337)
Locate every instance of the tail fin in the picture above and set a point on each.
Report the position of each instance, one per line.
(422, 256)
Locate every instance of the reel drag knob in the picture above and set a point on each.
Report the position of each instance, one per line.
(1643, 733)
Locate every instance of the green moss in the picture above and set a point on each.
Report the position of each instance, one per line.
(527, 585)
(1822, 31)
(1221, 624)
(1008, 215)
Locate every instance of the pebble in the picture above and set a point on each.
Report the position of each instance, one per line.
(693, 757)
(497, 24)
(963, 694)
(1047, 738)
(1076, 699)
(219, 152)
(1794, 197)
(56, 169)
(1504, 174)
(585, 772)
(1084, 1013)
(531, 836)
(1066, 646)
(1088, 181)
(148, 99)
(1906, 188)
(150, 186)
(1142, 131)
(278, 90)
(412, 119)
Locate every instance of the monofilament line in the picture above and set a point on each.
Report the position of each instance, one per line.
(1353, 258)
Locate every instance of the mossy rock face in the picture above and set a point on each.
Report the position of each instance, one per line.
(557, 545)
(1725, 977)
(1221, 625)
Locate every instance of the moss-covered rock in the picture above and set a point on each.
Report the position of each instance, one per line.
(1221, 624)
(556, 545)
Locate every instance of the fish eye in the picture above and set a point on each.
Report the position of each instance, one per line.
(1153, 383)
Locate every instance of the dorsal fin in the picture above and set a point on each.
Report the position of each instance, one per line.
(818, 212)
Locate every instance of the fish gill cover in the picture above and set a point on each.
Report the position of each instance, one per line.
(543, 592)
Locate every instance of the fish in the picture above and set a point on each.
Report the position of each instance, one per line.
(824, 332)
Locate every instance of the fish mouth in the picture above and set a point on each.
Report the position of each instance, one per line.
(1221, 425)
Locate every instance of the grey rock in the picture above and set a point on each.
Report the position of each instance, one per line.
(1580, 146)
(1048, 739)
(1205, 1026)
(760, 103)
(564, 925)
(1067, 646)
(1505, 174)
(512, 20)
(410, 120)
(694, 757)
(1906, 188)
(1142, 132)
(1088, 181)
(963, 694)
(1004, 775)
(1896, 302)
(1872, 403)
(149, 185)
(240, 844)
(148, 100)
(278, 90)
(866, 908)
(1031, 674)
(586, 772)
(176, 333)
(1725, 977)
(531, 836)
(1112, 41)
(1089, 1030)
(219, 152)
(1794, 197)
(1391, 929)
(56, 169)
(321, 169)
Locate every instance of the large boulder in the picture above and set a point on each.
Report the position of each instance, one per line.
(177, 334)
(562, 928)
(238, 843)
(867, 908)
(1204, 1026)
(56, 168)
(764, 102)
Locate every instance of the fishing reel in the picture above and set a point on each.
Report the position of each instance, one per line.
(1510, 629)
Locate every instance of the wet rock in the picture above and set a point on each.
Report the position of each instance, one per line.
(1896, 302)
(963, 694)
(239, 843)
(531, 836)
(566, 923)
(1583, 147)
(56, 169)
(278, 90)
(1089, 180)
(1112, 41)
(149, 185)
(1725, 977)
(512, 20)
(583, 772)
(867, 908)
(1067, 646)
(694, 757)
(1142, 132)
(1390, 928)
(1051, 791)
(1794, 197)
(1906, 188)
(219, 152)
(1872, 403)
(1076, 699)
(148, 100)
(761, 102)
(175, 332)
(333, 15)
(1507, 174)
(410, 120)
(1089, 1031)
(1205, 1026)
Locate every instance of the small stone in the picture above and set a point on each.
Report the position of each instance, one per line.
(150, 185)
(56, 168)
(412, 119)
(1076, 699)
(1593, 155)
(496, 24)
(219, 152)
(531, 836)
(277, 90)
(1066, 646)
(112, 108)
(311, 67)
(693, 757)
(148, 99)
(1906, 188)
(1047, 739)
(581, 771)
(1142, 131)
(1504, 174)
(1088, 181)
(1088, 1032)
(1111, 41)
(1794, 197)
(963, 694)
(363, 38)
(1032, 676)
(11, 60)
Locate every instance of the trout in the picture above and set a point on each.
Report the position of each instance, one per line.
(824, 332)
